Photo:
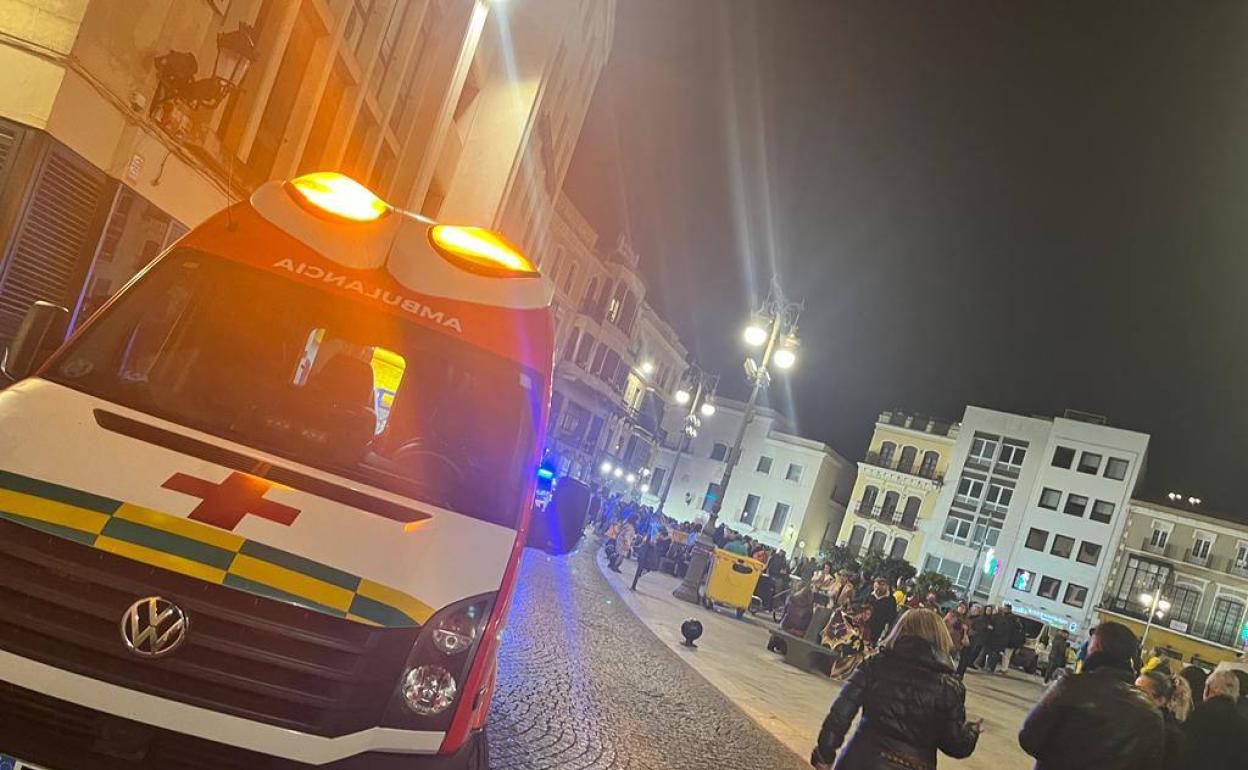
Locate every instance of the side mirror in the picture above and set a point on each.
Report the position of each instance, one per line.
(41, 333)
(558, 529)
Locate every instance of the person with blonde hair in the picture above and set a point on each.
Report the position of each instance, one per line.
(912, 704)
(1173, 697)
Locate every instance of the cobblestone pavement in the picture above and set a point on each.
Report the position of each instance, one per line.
(583, 685)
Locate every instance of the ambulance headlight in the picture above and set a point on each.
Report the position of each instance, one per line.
(429, 690)
(455, 632)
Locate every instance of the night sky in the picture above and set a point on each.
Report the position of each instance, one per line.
(1024, 206)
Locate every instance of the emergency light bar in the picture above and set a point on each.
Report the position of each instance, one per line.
(338, 195)
(480, 251)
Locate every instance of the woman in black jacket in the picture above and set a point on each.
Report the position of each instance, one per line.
(912, 704)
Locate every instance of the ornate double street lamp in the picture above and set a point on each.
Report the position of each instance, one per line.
(696, 393)
(774, 329)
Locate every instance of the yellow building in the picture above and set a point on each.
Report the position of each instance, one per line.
(897, 485)
(124, 122)
(1198, 561)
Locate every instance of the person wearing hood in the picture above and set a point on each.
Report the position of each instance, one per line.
(1097, 718)
(912, 704)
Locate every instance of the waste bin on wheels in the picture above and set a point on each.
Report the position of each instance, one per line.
(732, 581)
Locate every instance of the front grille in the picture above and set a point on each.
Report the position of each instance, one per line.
(244, 654)
(66, 736)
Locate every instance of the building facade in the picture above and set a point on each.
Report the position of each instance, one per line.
(786, 491)
(898, 484)
(1199, 563)
(617, 362)
(111, 145)
(1032, 509)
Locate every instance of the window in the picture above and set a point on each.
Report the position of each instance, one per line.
(1102, 511)
(1224, 625)
(898, 549)
(1089, 553)
(983, 450)
(794, 473)
(1049, 587)
(1076, 595)
(889, 507)
(781, 516)
(856, 536)
(868, 500)
(656, 481)
(959, 573)
(877, 542)
(1023, 579)
(1050, 498)
(1012, 455)
(719, 451)
(1116, 469)
(1062, 546)
(957, 529)
(1159, 537)
(1063, 457)
(1201, 545)
(1241, 555)
(1184, 602)
(970, 489)
(298, 372)
(1076, 505)
(764, 464)
(711, 498)
(1036, 539)
(999, 495)
(927, 469)
(886, 452)
(1089, 462)
(751, 508)
(1140, 576)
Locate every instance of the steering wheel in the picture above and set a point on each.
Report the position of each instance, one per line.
(417, 451)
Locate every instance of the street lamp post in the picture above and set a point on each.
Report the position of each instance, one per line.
(698, 401)
(774, 328)
(1156, 606)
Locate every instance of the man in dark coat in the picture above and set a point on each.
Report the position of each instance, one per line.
(883, 612)
(1057, 654)
(1005, 629)
(1216, 735)
(1097, 719)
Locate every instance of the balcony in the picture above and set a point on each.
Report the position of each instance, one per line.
(1191, 558)
(892, 517)
(1238, 569)
(866, 511)
(893, 463)
(1159, 550)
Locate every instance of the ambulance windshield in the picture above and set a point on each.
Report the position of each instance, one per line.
(282, 367)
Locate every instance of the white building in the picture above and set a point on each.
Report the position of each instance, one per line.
(1033, 511)
(617, 362)
(786, 491)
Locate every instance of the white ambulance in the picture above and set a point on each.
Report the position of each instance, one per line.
(264, 509)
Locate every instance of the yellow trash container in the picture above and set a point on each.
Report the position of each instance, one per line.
(732, 581)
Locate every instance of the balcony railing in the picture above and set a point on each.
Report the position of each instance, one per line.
(1238, 569)
(912, 468)
(1227, 636)
(1191, 557)
(1148, 546)
(894, 517)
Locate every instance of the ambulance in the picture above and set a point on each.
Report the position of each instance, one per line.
(265, 508)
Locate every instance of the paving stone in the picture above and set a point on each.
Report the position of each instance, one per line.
(584, 685)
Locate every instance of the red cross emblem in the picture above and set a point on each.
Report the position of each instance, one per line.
(224, 505)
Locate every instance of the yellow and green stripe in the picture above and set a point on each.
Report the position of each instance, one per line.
(202, 551)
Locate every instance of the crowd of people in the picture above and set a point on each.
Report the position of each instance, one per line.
(1118, 710)
(1111, 715)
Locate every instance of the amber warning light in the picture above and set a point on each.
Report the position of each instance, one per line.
(480, 251)
(339, 195)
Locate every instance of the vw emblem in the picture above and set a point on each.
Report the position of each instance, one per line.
(153, 627)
